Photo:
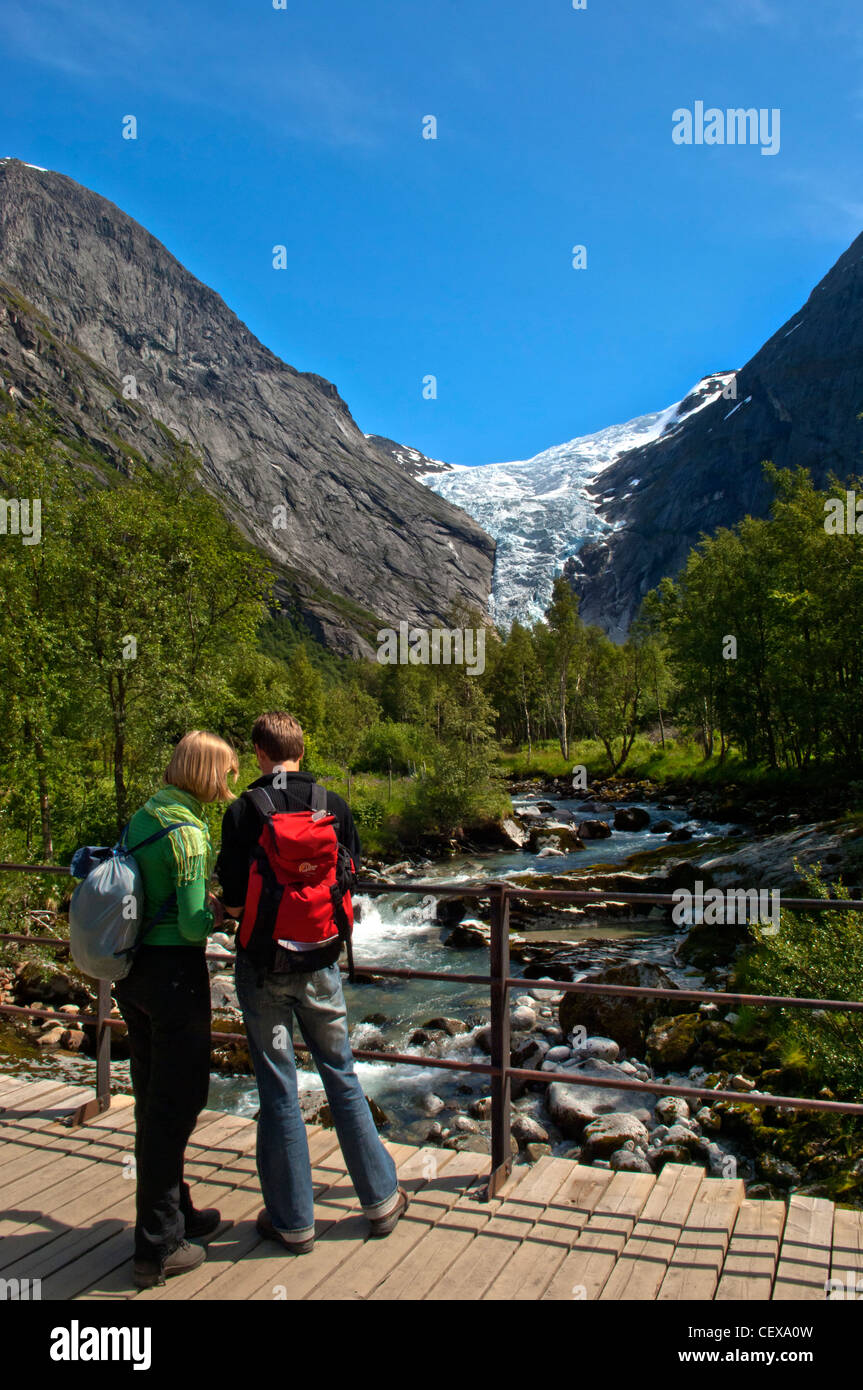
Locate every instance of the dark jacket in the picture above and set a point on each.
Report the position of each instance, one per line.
(241, 829)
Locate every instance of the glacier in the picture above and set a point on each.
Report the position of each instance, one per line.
(540, 511)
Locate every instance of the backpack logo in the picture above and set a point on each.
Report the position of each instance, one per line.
(307, 868)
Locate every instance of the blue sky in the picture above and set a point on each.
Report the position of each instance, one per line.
(410, 257)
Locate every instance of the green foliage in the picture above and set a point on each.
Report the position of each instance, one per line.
(816, 955)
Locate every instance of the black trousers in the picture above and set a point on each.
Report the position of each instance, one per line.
(165, 1002)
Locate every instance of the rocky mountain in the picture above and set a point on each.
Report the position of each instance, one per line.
(133, 352)
(540, 511)
(796, 402)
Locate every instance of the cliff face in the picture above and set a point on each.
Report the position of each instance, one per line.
(797, 403)
(89, 300)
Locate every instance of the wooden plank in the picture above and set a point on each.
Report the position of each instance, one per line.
(753, 1252)
(233, 1187)
(92, 1195)
(47, 1099)
(584, 1271)
(435, 1187)
(696, 1263)
(846, 1269)
(521, 1206)
(642, 1263)
(266, 1272)
(806, 1250)
(425, 1270)
(533, 1266)
(35, 1150)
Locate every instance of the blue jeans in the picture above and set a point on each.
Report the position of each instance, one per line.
(282, 1148)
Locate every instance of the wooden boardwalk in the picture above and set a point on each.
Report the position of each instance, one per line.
(559, 1230)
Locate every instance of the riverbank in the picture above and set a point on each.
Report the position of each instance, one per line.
(618, 841)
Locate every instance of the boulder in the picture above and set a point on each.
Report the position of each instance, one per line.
(430, 1104)
(527, 1052)
(480, 1109)
(631, 818)
(567, 1108)
(469, 935)
(629, 1161)
(604, 1048)
(522, 1018)
(73, 1039)
(605, 1099)
(661, 827)
(51, 1035)
(670, 1110)
(623, 1018)
(452, 1026)
(667, 1153)
(528, 1131)
(465, 1125)
(607, 1133)
(594, 830)
(672, 1043)
(678, 836)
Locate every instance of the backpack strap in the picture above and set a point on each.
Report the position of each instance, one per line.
(319, 797)
(261, 800)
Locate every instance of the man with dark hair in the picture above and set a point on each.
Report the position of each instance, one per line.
(285, 845)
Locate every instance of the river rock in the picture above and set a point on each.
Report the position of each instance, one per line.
(708, 1119)
(671, 1109)
(661, 827)
(469, 935)
(534, 1152)
(51, 1035)
(631, 818)
(73, 1039)
(556, 1054)
(684, 1136)
(480, 1109)
(522, 1018)
(672, 1043)
(452, 1026)
(528, 1131)
(431, 1105)
(625, 1019)
(465, 1125)
(604, 1048)
(679, 835)
(527, 1052)
(667, 1153)
(605, 1099)
(607, 1133)
(367, 1038)
(467, 1143)
(568, 1109)
(741, 1083)
(629, 1161)
(594, 830)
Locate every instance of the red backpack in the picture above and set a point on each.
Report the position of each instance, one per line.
(300, 879)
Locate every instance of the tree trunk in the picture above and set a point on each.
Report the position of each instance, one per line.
(42, 779)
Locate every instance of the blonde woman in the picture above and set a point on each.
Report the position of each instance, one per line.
(165, 1001)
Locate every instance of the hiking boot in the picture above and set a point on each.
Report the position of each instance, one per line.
(148, 1273)
(382, 1225)
(265, 1228)
(202, 1223)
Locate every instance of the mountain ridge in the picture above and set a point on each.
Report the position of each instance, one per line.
(90, 300)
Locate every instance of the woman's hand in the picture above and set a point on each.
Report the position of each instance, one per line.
(217, 907)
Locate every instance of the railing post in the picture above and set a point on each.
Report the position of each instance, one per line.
(501, 1137)
(102, 1099)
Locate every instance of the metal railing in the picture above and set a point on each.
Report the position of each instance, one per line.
(500, 982)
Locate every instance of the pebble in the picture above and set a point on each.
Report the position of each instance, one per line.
(741, 1083)
(430, 1104)
(671, 1109)
(522, 1018)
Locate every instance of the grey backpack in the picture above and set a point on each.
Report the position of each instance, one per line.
(105, 913)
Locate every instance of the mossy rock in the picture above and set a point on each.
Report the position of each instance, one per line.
(673, 1043)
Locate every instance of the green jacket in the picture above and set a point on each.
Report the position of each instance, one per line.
(189, 921)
